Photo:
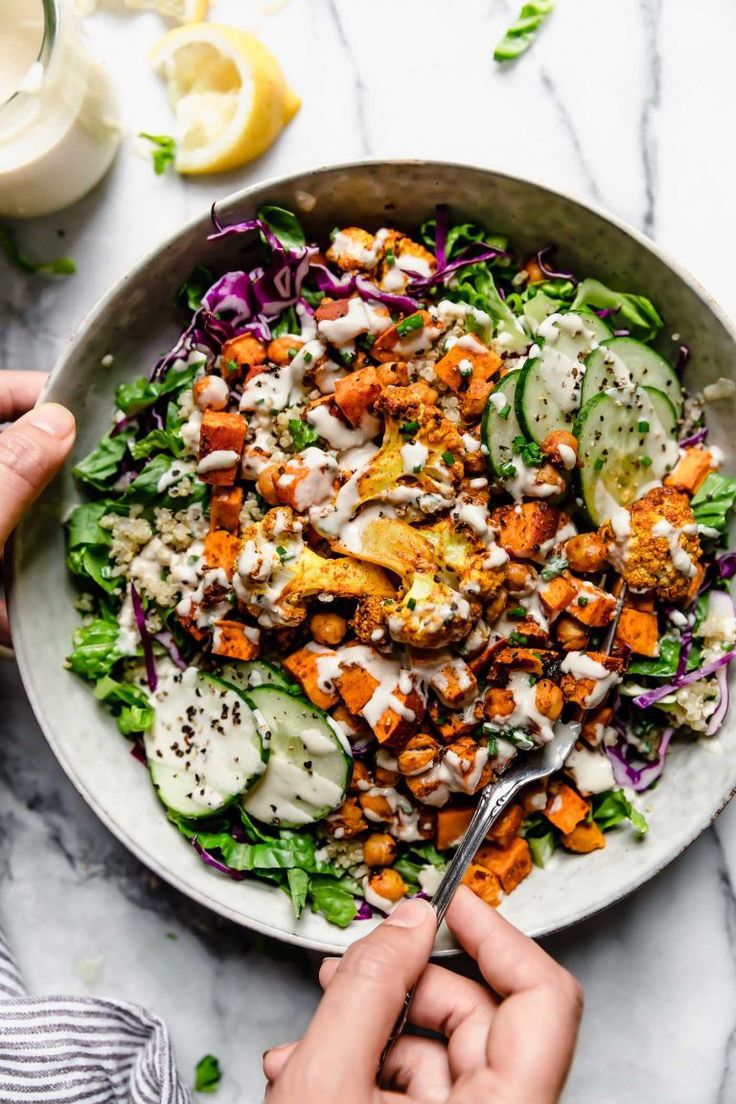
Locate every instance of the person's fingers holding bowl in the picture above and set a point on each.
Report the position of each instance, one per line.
(19, 391)
(32, 450)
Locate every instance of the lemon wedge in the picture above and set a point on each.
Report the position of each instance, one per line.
(228, 92)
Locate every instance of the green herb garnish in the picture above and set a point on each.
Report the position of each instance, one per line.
(407, 325)
(163, 153)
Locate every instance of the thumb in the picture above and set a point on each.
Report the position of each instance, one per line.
(355, 1016)
(31, 452)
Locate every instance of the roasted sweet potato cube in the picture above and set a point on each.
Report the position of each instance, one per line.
(483, 883)
(304, 666)
(356, 393)
(557, 594)
(517, 658)
(453, 683)
(691, 470)
(507, 826)
(578, 690)
(391, 728)
(565, 808)
(387, 344)
(450, 724)
(584, 838)
(356, 687)
(235, 640)
(463, 363)
(639, 630)
(188, 621)
(348, 820)
(451, 824)
(524, 528)
(225, 506)
(221, 550)
(224, 434)
(591, 605)
(239, 352)
(510, 864)
(281, 350)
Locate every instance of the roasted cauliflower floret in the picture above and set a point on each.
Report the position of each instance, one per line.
(431, 614)
(353, 250)
(403, 259)
(420, 446)
(276, 572)
(369, 622)
(469, 551)
(654, 544)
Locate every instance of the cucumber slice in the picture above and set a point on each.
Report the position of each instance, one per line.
(248, 674)
(309, 766)
(203, 748)
(548, 392)
(621, 361)
(626, 439)
(499, 424)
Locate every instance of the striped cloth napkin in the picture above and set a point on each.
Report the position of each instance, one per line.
(81, 1050)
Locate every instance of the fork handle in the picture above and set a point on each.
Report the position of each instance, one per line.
(492, 803)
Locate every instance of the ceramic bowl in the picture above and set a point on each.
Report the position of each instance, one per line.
(136, 321)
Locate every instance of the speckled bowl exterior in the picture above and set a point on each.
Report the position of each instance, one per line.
(135, 322)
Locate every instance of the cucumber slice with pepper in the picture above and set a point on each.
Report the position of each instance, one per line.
(625, 440)
(500, 425)
(309, 765)
(623, 360)
(249, 674)
(204, 747)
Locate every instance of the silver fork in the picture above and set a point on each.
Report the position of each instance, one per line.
(493, 800)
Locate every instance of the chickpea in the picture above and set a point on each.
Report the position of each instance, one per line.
(521, 578)
(496, 606)
(418, 754)
(423, 392)
(376, 806)
(328, 628)
(379, 849)
(534, 274)
(548, 698)
(566, 457)
(210, 393)
(499, 702)
(586, 553)
(549, 475)
(280, 348)
(570, 634)
(267, 484)
(387, 883)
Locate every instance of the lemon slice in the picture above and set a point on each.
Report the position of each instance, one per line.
(228, 92)
(184, 11)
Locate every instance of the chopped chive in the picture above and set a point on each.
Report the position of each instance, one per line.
(518, 613)
(417, 469)
(645, 461)
(598, 464)
(643, 427)
(292, 353)
(407, 325)
(390, 258)
(408, 429)
(307, 357)
(505, 412)
(508, 471)
(583, 601)
(448, 458)
(411, 603)
(518, 638)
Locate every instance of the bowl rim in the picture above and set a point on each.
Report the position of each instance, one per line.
(230, 201)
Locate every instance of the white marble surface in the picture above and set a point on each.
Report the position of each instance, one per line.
(625, 102)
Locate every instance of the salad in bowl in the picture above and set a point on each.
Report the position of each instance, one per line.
(353, 544)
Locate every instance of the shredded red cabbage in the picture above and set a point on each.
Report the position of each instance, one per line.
(726, 565)
(718, 716)
(621, 333)
(643, 701)
(369, 291)
(146, 641)
(550, 273)
(442, 274)
(166, 640)
(441, 230)
(638, 776)
(138, 752)
(683, 357)
(695, 438)
(206, 857)
(365, 912)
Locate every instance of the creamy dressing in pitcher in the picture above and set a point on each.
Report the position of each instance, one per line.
(59, 126)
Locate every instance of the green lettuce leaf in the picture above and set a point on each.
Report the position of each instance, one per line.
(475, 285)
(302, 434)
(283, 224)
(610, 808)
(288, 323)
(95, 649)
(636, 310)
(129, 704)
(191, 293)
(298, 883)
(333, 900)
(712, 501)
(99, 469)
(521, 34)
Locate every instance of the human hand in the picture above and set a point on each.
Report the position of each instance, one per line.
(511, 1045)
(32, 450)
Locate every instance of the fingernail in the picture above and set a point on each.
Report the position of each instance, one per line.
(411, 913)
(53, 419)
